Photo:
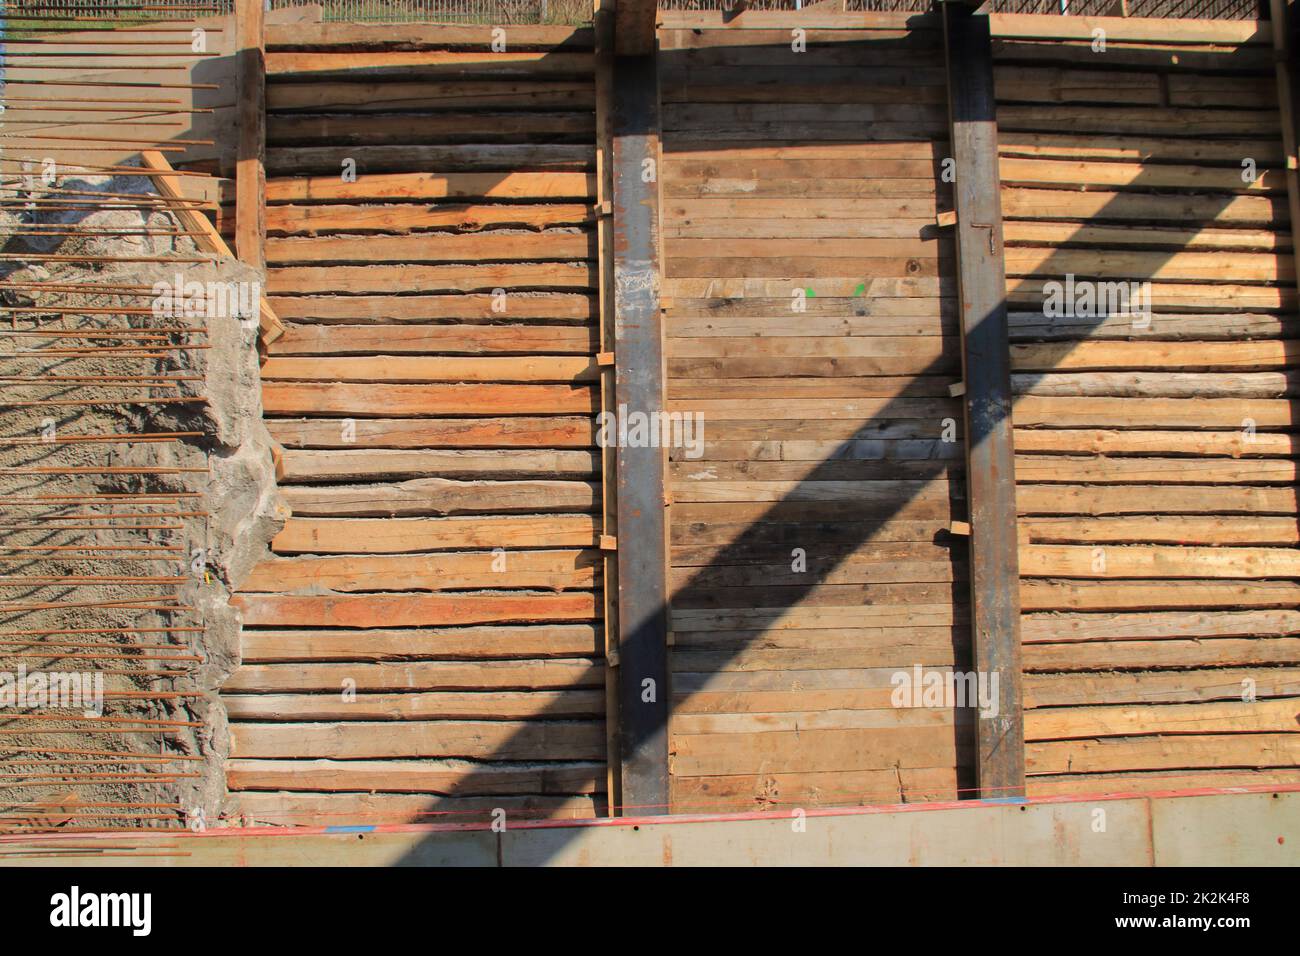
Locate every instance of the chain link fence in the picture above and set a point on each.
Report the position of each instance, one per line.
(579, 11)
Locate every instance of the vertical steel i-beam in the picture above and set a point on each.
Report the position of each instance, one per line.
(990, 461)
(639, 373)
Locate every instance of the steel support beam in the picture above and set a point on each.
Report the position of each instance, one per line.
(639, 374)
(990, 462)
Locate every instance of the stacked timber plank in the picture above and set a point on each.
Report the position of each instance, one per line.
(810, 320)
(1156, 451)
(425, 642)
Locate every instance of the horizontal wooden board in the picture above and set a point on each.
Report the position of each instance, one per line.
(541, 570)
(514, 432)
(480, 740)
(398, 535)
(441, 496)
(411, 609)
(390, 644)
(334, 398)
(457, 777)
(417, 676)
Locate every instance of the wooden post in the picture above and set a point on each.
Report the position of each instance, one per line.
(604, 65)
(1284, 54)
(990, 461)
(639, 364)
(250, 167)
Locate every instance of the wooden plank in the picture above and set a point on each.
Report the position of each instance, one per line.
(287, 810)
(541, 570)
(492, 246)
(639, 361)
(1155, 595)
(412, 676)
(985, 361)
(1262, 716)
(1047, 628)
(411, 610)
(398, 535)
(1130, 29)
(507, 705)
(495, 740)
(1161, 687)
(1111, 754)
(316, 280)
(405, 644)
(450, 157)
(430, 339)
(336, 398)
(1155, 442)
(512, 432)
(391, 63)
(1162, 529)
(604, 20)
(250, 170)
(547, 306)
(318, 466)
(377, 186)
(418, 36)
(1143, 207)
(419, 777)
(1174, 654)
(1142, 561)
(400, 218)
(420, 369)
(441, 496)
(383, 97)
(1073, 785)
(1131, 499)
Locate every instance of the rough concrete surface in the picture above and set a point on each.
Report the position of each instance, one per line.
(58, 769)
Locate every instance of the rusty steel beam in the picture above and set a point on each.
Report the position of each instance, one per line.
(639, 375)
(986, 360)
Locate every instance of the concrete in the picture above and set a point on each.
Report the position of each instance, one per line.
(1256, 827)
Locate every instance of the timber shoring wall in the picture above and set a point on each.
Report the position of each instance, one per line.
(826, 413)
(1156, 459)
(435, 396)
(810, 318)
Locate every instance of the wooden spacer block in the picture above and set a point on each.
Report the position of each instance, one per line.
(604, 358)
(608, 542)
(947, 217)
(960, 527)
(957, 388)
